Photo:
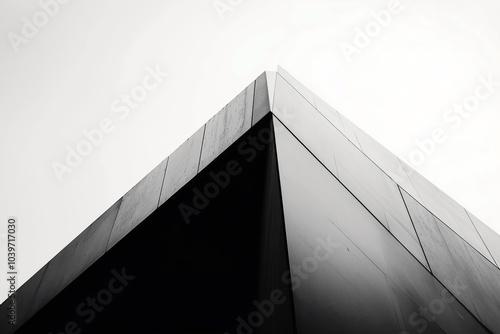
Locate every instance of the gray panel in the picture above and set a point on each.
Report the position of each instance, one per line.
(261, 104)
(303, 90)
(349, 130)
(447, 210)
(402, 177)
(466, 225)
(363, 179)
(348, 289)
(305, 122)
(24, 301)
(431, 199)
(182, 165)
(76, 257)
(360, 175)
(317, 178)
(329, 113)
(386, 160)
(346, 292)
(382, 157)
(227, 125)
(463, 270)
(484, 277)
(490, 237)
(408, 312)
(437, 251)
(138, 203)
(347, 127)
(477, 279)
(271, 84)
(377, 192)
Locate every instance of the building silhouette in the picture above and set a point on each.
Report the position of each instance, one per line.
(277, 216)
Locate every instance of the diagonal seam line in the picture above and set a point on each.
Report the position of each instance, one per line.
(163, 182)
(480, 236)
(253, 99)
(415, 229)
(114, 222)
(201, 148)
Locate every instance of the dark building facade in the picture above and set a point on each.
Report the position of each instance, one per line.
(277, 216)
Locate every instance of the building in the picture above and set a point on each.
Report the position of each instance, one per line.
(277, 216)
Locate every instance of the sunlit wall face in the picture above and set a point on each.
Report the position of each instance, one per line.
(374, 246)
(349, 273)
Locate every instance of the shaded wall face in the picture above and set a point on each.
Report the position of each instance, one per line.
(205, 261)
(349, 274)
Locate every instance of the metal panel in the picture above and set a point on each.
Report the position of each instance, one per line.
(228, 125)
(329, 113)
(490, 237)
(342, 259)
(138, 203)
(305, 122)
(182, 165)
(377, 192)
(477, 277)
(463, 270)
(447, 210)
(360, 175)
(402, 177)
(383, 158)
(366, 181)
(466, 225)
(271, 84)
(349, 130)
(413, 320)
(76, 257)
(261, 104)
(484, 277)
(24, 302)
(439, 255)
(297, 85)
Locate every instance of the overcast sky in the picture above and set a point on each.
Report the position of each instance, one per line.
(401, 70)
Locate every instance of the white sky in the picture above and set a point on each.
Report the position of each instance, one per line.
(429, 57)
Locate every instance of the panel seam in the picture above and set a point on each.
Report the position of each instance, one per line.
(414, 228)
(114, 222)
(481, 237)
(163, 182)
(201, 148)
(284, 218)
